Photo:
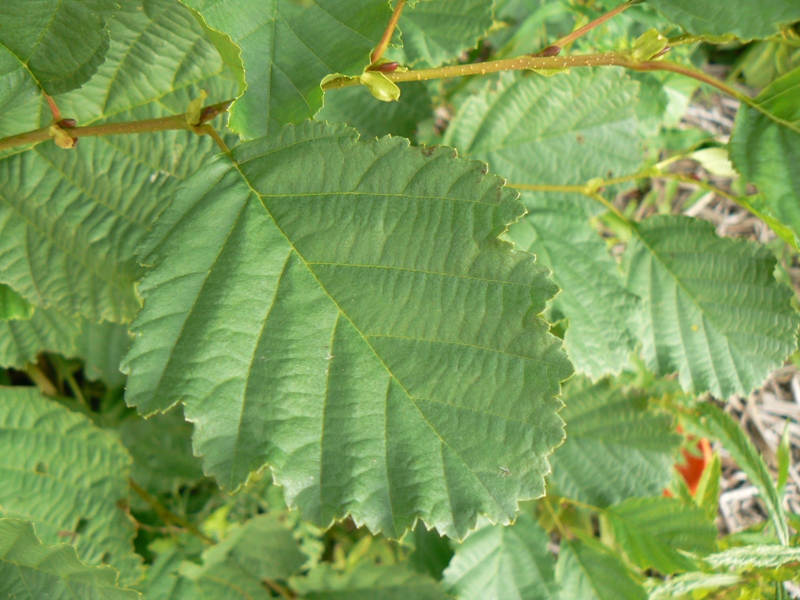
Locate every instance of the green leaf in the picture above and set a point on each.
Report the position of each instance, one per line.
(600, 338)
(706, 495)
(19, 96)
(552, 130)
(61, 43)
(616, 447)
(161, 447)
(29, 569)
(504, 562)
(765, 148)
(784, 456)
(67, 477)
(712, 309)
(712, 422)
(692, 585)
(744, 18)
(743, 558)
(46, 331)
(588, 570)
(102, 346)
(286, 48)
(13, 306)
(435, 32)
(432, 552)
(367, 581)
(358, 297)
(654, 532)
(70, 221)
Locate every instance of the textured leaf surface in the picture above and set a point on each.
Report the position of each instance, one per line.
(615, 448)
(552, 130)
(46, 331)
(715, 423)
(61, 43)
(755, 556)
(744, 18)
(767, 150)
(285, 49)
(601, 336)
(12, 305)
(373, 340)
(588, 570)
(368, 581)
(66, 476)
(654, 531)
(438, 31)
(19, 96)
(102, 346)
(683, 586)
(29, 569)
(70, 221)
(712, 309)
(496, 563)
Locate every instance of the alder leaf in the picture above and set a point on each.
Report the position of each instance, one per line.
(70, 221)
(712, 309)
(66, 476)
(46, 331)
(656, 532)
(588, 570)
(601, 335)
(765, 148)
(12, 305)
(284, 48)
(435, 32)
(29, 569)
(61, 43)
(496, 563)
(745, 19)
(19, 96)
(616, 448)
(345, 313)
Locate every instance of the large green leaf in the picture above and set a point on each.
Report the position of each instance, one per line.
(743, 18)
(600, 337)
(438, 31)
(19, 95)
(616, 447)
(368, 581)
(656, 532)
(12, 305)
(29, 569)
(46, 331)
(712, 309)
(552, 130)
(66, 476)
(588, 570)
(102, 346)
(710, 421)
(350, 317)
(496, 563)
(284, 48)
(61, 43)
(765, 148)
(70, 220)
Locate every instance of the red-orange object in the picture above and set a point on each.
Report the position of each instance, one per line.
(694, 466)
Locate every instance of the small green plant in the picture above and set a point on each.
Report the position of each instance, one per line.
(344, 299)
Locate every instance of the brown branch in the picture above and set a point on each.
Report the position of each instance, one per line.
(388, 33)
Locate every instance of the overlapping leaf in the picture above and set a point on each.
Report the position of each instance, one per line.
(615, 448)
(496, 563)
(61, 43)
(656, 532)
(712, 309)
(46, 331)
(67, 477)
(283, 49)
(368, 581)
(350, 318)
(70, 220)
(12, 305)
(743, 18)
(588, 570)
(765, 148)
(558, 131)
(19, 96)
(29, 569)
(753, 557)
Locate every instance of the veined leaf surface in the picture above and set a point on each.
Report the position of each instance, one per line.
(350, 318)
(46, 331)
(70, 221)
(712, 309)
(67, 477)
(12, 305)
(283, 50)
(586, 569)
(61, 43)
(29, 569)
